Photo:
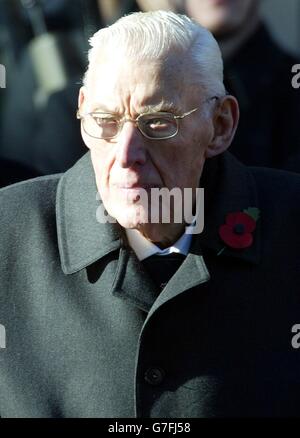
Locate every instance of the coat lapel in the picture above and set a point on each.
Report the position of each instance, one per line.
(229, 187)
(133, 283)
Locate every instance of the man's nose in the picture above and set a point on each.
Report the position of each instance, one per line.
(130, 146)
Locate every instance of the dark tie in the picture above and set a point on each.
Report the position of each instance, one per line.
(162, 268)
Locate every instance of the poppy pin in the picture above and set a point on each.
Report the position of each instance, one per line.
(237, 231)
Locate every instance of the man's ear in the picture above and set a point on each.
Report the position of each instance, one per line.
(82, 102)
(225, 121)
(81, 98)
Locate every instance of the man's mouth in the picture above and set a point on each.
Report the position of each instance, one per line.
(137, 186)
(136, 192)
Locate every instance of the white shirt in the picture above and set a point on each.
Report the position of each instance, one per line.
(144, 248)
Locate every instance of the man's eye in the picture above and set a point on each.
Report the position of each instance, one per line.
(158, 123)
(101, 121)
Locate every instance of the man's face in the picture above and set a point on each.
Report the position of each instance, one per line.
(220, 16)
(130, 162)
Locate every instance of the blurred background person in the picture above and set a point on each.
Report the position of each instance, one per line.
(45, 57)
(258, 72)
(39, 127)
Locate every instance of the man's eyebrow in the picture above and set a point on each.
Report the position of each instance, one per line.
(161, 107)
(98, 107)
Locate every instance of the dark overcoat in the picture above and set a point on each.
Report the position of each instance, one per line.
(85, 333)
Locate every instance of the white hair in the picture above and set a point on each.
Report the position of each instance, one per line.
(160, 35)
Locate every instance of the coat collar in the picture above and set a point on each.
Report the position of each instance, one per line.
(229, 187)
(81, 238)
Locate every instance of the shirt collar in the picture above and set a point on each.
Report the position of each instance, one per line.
(144, 248)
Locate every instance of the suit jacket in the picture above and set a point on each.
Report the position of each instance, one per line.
(89, 335)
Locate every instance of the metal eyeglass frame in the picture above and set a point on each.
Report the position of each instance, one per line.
(122, 120)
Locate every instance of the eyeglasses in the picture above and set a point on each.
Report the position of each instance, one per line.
(155, 126)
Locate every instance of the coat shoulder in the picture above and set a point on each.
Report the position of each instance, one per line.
(277, 186)
(23, 203)
(33, 189)
(278, 195)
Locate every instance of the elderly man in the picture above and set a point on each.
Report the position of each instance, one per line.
(128, 317)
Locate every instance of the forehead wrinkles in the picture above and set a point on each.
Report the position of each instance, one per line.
(132, 88)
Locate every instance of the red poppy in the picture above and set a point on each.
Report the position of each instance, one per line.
(237, 231)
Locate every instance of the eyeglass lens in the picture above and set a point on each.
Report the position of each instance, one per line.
(153, 126)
